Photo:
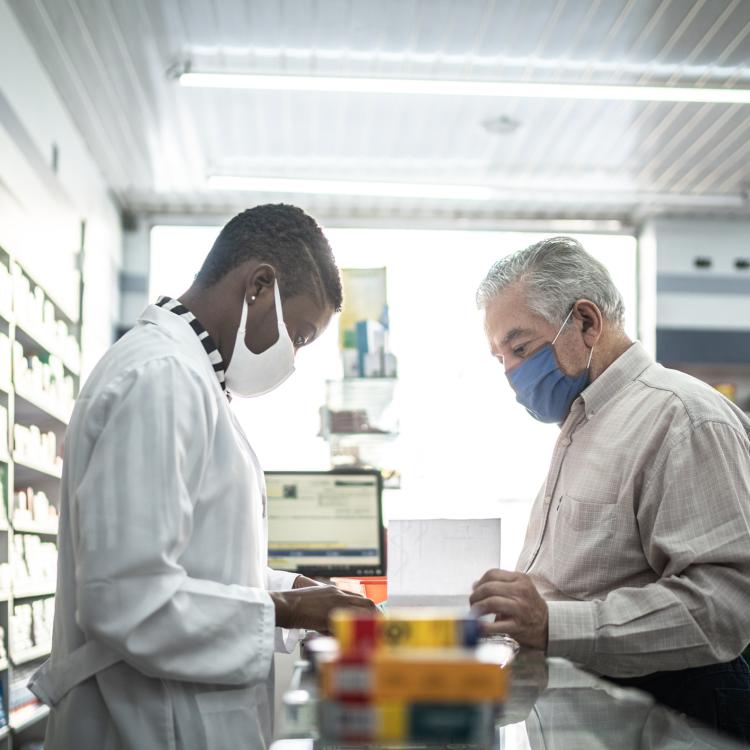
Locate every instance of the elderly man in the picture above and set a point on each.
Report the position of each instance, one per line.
(636, 562)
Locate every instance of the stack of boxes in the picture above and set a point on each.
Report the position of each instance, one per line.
(411, 676)
(21, 625)
(365, 353)
(34, 563)
(31, 625)
(43, 614)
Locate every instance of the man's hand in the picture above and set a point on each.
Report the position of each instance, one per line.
(518, 608)
(310, 607)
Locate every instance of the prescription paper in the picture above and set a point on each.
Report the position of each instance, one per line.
(435, 562)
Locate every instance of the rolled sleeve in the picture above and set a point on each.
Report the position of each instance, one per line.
(285, 640)
(572, 630)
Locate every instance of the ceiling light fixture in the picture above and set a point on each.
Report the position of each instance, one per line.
(351, 187)
(415, 86)
(459, 192)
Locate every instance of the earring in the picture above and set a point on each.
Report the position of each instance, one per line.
(252, 299)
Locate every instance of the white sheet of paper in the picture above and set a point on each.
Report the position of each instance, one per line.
(436, 561)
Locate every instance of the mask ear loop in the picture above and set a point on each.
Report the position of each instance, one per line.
(562, 326)
(591, 351)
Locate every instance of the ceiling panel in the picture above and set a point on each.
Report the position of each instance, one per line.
(157, 142)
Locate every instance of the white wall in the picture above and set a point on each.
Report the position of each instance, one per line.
(701, 298)
(41, 210)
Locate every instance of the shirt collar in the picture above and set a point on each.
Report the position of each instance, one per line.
(625, 369)
(209, 345)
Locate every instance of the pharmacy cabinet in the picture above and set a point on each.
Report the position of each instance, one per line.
(39, 379)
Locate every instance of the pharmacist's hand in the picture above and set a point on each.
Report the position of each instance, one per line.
(518, 607)
(310, 607)
(303, 582)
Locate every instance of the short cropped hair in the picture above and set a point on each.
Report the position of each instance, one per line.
(286, 238)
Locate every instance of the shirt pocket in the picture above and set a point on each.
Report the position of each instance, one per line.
(231, 718)
(582, 546)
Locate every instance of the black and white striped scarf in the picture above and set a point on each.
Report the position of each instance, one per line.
(214, 355)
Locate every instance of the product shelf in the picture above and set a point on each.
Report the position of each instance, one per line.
(31, 654)
(34, 528)
(30, 406)
(31, 338)
(25, 717)
(27, 471)
(34, 593)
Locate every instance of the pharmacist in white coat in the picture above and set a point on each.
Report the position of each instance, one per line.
(167, 614)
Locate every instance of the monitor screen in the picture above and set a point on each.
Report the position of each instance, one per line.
(325, 523)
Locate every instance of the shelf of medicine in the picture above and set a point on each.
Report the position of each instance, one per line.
(33, 528)
(25, 468)
(30, 338)
(31, 654)
(48, 590)
(61, 309)
(29, 405)
(23, 718)
(362, 436)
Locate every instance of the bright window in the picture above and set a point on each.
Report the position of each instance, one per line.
(466, 448)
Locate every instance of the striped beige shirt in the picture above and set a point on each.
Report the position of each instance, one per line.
(640, 538)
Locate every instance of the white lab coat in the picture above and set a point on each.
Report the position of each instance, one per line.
(163, 574)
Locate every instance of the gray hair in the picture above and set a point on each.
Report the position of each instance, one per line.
(555, 273)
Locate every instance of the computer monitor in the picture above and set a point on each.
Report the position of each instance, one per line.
(326, 523)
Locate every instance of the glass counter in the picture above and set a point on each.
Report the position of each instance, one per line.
(553, 705)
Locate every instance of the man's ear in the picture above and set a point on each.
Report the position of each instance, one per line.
(591, 319)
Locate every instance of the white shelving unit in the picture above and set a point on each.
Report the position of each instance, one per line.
(27, 406)
(359, 420)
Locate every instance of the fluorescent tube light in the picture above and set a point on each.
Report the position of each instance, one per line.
(351, 187)
(415, 86)
(458, 192)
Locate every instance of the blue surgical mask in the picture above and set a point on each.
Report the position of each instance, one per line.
(543, 388)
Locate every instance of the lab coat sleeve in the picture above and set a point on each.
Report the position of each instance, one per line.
(285, 640)
(280, 580)
(151, 433)
(698, 541)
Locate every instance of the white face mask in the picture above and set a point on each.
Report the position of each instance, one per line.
(251, 374)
